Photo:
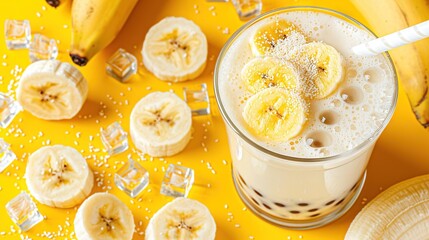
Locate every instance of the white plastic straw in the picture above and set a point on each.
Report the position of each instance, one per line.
(393, 40)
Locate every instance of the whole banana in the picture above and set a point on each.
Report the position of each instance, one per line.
(95, 24)
(411, 61)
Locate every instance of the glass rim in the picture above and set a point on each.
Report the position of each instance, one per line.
(283, 157)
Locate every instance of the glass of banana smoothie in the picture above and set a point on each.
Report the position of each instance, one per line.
(302, 113)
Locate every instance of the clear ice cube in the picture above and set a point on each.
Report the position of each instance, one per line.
(197, 98)
(114, 139)
(17, 34)
(6, 155)
(9, 108)
(177, 181)
(43, 48)
(132, 178)
(121, 65)
(23, 211)
(247, 9)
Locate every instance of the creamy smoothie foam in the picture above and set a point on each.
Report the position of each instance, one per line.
(346, 118)
(305, 190)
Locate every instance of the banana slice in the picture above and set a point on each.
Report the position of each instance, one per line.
(175, 49)
(160, 124)
(275, 114)
(322, 68)
(103, 217)
(400, 212)
(58, 176)
(261, 73)
(266, 38)
(52, 90)
(182, 218)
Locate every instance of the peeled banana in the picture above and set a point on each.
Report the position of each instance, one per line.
(182, 218)
(175, 49)
(95, 24)
(411, 61)
(104, 217)
(52, 90)
(58, 176)
(400, 212)
(275, 114)
(160, 124)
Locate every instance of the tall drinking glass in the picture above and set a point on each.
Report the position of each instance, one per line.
(297, 189)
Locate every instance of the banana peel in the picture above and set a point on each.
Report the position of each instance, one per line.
(411, 61)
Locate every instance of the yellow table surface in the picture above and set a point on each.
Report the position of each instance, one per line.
(400, 153)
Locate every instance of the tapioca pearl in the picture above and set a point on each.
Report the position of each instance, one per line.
(258, 193)
(254, 200)
(373, 75)
(319, 139)
(279, 204)
(351, 95)
(329, 117)
(242, 180)
(339, 202)
(315, 215)
(354, 187)
(313, 210)
(330, 202)
(303, 204)
(266, 206)
(295, 212)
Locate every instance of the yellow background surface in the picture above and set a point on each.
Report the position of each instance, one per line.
(400, 153)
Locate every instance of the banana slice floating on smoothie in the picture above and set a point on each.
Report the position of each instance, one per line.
(275, 113)
(160, 124)
(322, 69)
(104, 217)
(400, 212)
(182, 218)
(58, 176)
(261, 73)
(52, 90)
(175, 49)
(266, 38)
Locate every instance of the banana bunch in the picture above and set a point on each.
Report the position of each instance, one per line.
(287, 72)
(411, 61)
(400, 212)
(95, 24)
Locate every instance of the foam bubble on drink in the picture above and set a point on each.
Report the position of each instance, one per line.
(337, 123)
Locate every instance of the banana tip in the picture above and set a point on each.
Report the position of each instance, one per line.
(81, 61)
(53, 3)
